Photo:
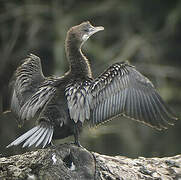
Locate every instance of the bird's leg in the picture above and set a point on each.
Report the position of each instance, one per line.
(76, 135)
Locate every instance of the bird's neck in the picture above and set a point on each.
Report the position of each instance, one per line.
(79, 65)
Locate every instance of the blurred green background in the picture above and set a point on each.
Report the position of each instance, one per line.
(147, 33)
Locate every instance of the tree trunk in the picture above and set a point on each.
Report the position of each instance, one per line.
(69, 162)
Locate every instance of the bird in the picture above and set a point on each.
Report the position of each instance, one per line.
(61, 105)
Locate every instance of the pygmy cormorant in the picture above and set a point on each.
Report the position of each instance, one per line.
(62, 104)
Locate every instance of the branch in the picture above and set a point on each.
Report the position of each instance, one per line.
(68, 161)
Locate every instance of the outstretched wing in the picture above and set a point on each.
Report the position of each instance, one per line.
(121, 89)
(31, 90)
(42, 133)
(27, 78)
(32, 93)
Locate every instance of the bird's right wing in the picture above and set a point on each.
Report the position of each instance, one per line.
(26, 79)
(37, 102)
(121, 89)
(30, 91)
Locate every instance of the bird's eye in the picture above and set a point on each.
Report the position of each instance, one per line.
(86, 30)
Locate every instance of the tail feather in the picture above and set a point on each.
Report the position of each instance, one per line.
(39, 135)
(51, 135)
(34, 137)
(48, 138)
(23, 137)
(41, 139)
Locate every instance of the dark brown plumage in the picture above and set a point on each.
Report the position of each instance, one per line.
(62, 104)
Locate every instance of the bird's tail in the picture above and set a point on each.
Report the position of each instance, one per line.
(39, 135)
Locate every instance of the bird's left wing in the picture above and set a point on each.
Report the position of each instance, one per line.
(78, 104)
(121, 89)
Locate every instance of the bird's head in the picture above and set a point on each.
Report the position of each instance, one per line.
(80, 33)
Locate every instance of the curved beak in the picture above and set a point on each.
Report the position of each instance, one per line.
(93, 30)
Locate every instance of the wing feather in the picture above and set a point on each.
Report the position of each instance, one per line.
(37, 102)
(27, 77)
(33, 95)
(31, 90)
(121, 89)
(135, 106)
(78, 101)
